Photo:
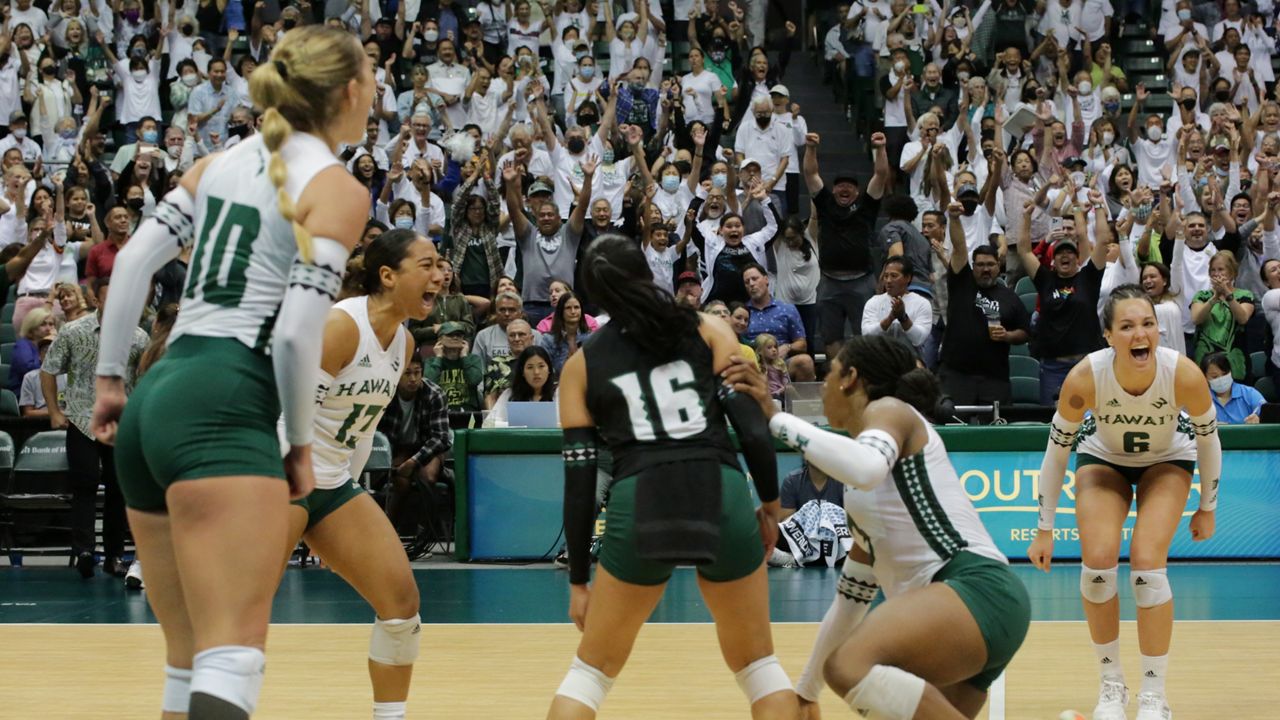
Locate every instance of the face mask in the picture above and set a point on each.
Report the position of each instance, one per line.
(139, 75)
(587, 71)
(1078, 178)
(963, 76)
(187, 29)
(1189, 103)
(719, 180)
(1154, 133)
(627, 33)
(637, 86)
(960, 22)
(762, 121)
(1222, 96)
(670, 183)
(683, 167)
(67, 134)
(607, 157)
(717, 56)
(150, 136)
(20, 133)
(1111, 108)
(191, 80)
(404, 223)
(48, 70)
(135, 203)
(132, 15)
(174, 151)
(1108, 137)
(288, 24)
(1085, 87)
(138, 52)
(899, 67)
(576, 145)
(240, 130)
(1184, 15)
(1221, 385)
(1028, 95)
(431, 35)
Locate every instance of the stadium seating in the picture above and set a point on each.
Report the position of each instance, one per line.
(38, 484)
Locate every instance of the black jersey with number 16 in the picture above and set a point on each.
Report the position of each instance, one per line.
(652, 410)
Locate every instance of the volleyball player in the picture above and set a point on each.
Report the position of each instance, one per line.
(954, 613)
(646, 384)
(1136, 441)
(273, 221)
(366, 347)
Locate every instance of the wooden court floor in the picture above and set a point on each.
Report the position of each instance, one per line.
(1220, 669)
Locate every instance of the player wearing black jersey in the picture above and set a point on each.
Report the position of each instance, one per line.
(647, 386)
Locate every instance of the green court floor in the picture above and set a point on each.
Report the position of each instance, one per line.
(488, 594)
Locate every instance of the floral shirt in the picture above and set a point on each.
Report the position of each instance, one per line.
(75, 353)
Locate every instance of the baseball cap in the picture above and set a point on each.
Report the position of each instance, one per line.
(1074, 161)
(780, 90)
(688, 276)
(540, 187)
(1220, 143)
(844, 177)
(1065, 245)
(750, 161)
(17, 116)
(453, 327)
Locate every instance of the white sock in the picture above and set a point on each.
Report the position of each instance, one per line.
(388, 710)
(1109, 660)
(1154, 669)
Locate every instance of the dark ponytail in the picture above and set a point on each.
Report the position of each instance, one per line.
(618, 279)
(887, 367)
(387, 250)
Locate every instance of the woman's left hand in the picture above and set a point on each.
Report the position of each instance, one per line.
(579, 598)
(1202, 524)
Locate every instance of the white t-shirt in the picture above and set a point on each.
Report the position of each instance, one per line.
(1152, 158)
(1093, 18)
(610, 182)
(139, 98)
(661, 264)
(518, 36)
(568, 172)
(32, 394)
(623, 55)
(699, 94)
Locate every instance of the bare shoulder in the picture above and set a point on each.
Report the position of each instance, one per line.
(1077, 394)
(900, 420)
(191, 178)
(334, 205)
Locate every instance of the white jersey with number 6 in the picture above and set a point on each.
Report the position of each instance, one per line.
(917, 519)
(348, 414)
(244, 247)
(1136, 430)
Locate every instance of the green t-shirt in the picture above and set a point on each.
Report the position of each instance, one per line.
(458, 379)
(475, 266)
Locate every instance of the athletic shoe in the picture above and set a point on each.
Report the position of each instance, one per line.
(115, 566)
(1152, 706)
(782, 559)
(85, 563)
(1113, 696)
(561, 561)
(133, 579)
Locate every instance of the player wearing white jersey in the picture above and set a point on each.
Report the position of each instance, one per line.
(366, 348)
(1135, 440)
(272, 222)
(954, 613)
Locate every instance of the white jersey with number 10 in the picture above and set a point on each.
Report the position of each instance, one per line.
(244, 248)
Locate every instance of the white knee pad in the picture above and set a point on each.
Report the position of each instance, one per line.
(1150, 587)
(230, 672)
(762, 678)
(177, 690)
(887, 693)
(395, 642)
(1097, 586)
(585, 684)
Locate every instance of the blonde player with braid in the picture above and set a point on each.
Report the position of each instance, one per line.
(273, 221)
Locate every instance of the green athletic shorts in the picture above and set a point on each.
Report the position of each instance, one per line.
(209, 408)
(1131, 474)
(741, 549)
(320, 503)
(998, 602)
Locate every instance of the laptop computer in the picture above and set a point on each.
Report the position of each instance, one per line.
(533, 415)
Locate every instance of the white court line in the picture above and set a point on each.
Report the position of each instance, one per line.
(995, 699)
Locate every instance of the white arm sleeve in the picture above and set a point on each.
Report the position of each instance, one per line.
(854, 592)
(863, 462)
(299, 334)
(1062, 435)
(1208, 456)
(158, 240)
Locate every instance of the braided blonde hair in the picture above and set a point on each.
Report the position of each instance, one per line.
(298, 89)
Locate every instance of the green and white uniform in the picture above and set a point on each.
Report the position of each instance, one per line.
(209, 407)
(1135, 431)
(348, 408)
